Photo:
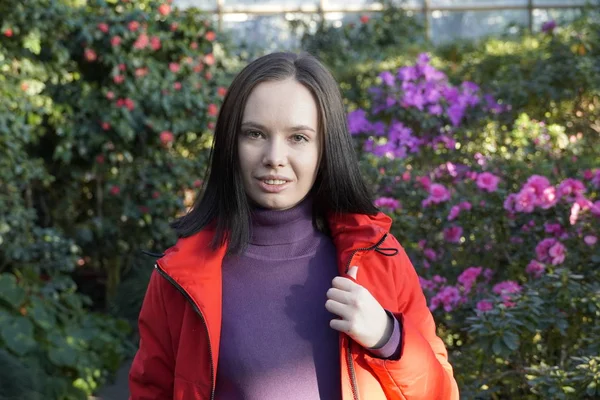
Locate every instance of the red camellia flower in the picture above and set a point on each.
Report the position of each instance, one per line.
(105, 126)
(209, 59)
(24, 86)
(122, 67)
(141, 72)
(110, 95)
(166, 137)
(129, 104)
(174, 67)
(177, 86)
(142, 41)
(211, 125)
(118, 79)
(193, 45)
(364, 19)
(212, 110)
(198, 68)
(164, 9)
(115, 41)
(155, 43)
(197, 183)
(210, 36)
(208, 76)
(90, 55)
(115, 190)
(143, 209)
(103, 27)
(174, 26)
(221, 91)
(100, 159)
(155, 195)
(133, 26)
(8, 32)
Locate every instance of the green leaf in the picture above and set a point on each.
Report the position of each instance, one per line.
(10, 292)
(511, 340)
(17, 333)
(497, 346)
(40, 314)
(63, 355)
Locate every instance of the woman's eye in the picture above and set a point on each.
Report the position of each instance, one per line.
(299, 138)
(253, 134)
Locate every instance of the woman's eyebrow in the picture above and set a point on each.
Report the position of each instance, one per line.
(296, 128)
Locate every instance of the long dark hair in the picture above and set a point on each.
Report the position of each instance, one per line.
(339, 187)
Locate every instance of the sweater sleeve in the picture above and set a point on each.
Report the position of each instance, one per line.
(390, 349)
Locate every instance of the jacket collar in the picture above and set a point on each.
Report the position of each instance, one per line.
(191, 260)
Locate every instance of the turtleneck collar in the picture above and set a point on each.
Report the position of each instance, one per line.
(273, 227)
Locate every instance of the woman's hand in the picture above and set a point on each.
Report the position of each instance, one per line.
(361, 315)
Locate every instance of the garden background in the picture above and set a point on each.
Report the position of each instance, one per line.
(485, 152)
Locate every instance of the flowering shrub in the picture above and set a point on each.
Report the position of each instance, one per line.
(502, 224)
(105, 110)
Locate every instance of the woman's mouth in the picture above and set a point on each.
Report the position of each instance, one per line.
(273, 185)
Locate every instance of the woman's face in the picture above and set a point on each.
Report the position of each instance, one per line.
(279, 145)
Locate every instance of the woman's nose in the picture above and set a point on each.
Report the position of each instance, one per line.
(275, 153)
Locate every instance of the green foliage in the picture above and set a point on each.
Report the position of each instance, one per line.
(105, 110)
(357, 51)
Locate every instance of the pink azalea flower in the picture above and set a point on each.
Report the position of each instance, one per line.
(465, 205)
(438, 193)
(454, 212)
(535, 268)
(506, 287)
(430, 254)
(571, 188)
(538, 183)
(453, 234)
(448, 297)
(485, 305)
(575, 208)
(387, 202)
(557, 253)
(468, 277)
(488, 182)
(424, 181)
(543, 247)
(590, 240)
(509, 202)
(548, 198)
(526, 200)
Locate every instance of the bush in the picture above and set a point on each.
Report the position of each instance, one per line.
(105, 108)
(358, 50)
(501, 221)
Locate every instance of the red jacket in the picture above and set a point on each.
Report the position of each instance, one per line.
(180, 321)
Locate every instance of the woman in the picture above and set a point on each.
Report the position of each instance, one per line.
(285, 282)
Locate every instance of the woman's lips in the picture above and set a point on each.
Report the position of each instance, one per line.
(272, 188)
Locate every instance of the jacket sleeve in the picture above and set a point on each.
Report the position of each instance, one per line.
(422, 372)
(152, 372)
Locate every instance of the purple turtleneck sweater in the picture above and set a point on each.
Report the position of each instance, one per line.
(276, 342)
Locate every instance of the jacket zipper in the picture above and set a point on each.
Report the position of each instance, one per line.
(349, 360)
(197, 310)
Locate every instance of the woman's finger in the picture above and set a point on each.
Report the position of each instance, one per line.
(340, 325)
(338, 309)
(341, 296)
(346, 284)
